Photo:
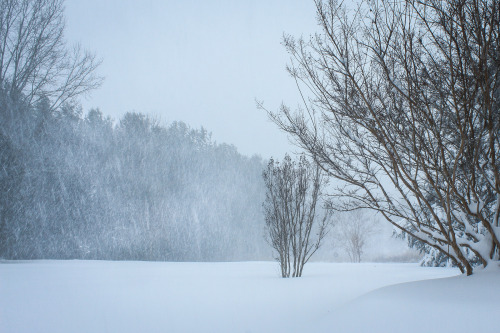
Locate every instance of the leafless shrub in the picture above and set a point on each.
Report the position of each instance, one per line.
(294, 228)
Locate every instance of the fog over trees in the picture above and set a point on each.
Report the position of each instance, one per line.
(401, 110)
(75, 186)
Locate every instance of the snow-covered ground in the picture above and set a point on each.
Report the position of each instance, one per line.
(104, 296)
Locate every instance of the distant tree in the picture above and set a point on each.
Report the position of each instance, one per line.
(352, 232)
(294, 227)
(34, 58)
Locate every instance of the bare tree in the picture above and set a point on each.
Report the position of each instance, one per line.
(352, 231)
(404, 112)
(35, 61)
(294, 227)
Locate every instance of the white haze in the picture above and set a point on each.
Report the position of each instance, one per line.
(205, 63)
(201, 62)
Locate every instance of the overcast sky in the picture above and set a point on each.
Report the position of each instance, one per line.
(203, 62)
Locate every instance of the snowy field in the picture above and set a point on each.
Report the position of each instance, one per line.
(103, 296)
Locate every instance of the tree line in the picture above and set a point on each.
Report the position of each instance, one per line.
(77, 186)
